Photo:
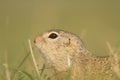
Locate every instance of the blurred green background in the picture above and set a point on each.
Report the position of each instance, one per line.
(96, 21)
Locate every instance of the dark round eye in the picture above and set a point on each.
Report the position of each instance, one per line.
(53, 36)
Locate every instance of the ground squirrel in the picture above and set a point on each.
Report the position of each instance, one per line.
(63, 50)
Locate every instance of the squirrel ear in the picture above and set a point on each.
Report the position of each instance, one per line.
(68, 42)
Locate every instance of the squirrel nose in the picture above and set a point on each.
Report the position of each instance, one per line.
(37, 39)
(34, 41)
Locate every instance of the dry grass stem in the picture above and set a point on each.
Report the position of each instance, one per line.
(68, 61)
(7, 72)
(33, 58)
(116, 67)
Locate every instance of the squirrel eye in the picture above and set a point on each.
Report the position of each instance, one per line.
(53, 36)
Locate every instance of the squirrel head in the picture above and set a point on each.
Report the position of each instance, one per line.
(59, 47)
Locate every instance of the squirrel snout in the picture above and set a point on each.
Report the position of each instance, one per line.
(34, 41)
(37, 39)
